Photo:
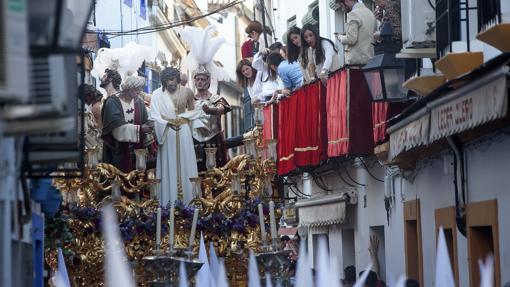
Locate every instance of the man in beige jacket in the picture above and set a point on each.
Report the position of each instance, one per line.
(359, 33)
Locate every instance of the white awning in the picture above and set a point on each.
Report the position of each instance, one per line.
(323, 211)
(479, 102)
(414, 134)
(469, 108)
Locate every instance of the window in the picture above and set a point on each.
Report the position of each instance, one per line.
(348, 247)
(483, 238)
(413, 241)
(489, 13)
(319, 239)
(446, 218)
(448, 25)
(291, 22)
(455, 21)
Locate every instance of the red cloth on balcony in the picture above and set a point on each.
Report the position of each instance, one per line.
(337, 109)
(379, 117)
(310, 132)
(270, 130)
(381, 113)
(349, 114)
(287, 116)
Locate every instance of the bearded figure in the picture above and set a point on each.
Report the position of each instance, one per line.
(170, 109)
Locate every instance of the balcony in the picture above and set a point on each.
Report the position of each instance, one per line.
(319, 124)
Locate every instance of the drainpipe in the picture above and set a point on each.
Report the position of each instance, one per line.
(460, 199)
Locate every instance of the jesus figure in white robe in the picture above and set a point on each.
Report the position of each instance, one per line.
(166, 104)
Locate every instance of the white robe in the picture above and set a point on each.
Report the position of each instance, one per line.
(163, 108)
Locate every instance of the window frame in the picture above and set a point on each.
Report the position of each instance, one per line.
(446, 218)
(412, 212)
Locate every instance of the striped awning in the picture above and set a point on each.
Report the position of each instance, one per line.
(321, 212)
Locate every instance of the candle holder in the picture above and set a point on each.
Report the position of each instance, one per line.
(92, 157)
(116, 193)
(268, 187)
(271, 149)
(249, 144)
(276, 262)
(258, 115)
(236, 184)
(163, 269)
(196, 187)
(154, 184)
(141, 159)
(210, 153)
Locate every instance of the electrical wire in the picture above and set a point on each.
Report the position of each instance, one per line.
(368, 171)
(162, 27)
(319, 182)
(343, 179)
(350, 177)
(292, 185)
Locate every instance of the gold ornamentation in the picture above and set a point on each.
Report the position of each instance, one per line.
(94, 188)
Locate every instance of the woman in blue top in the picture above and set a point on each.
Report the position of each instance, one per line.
(290, 73)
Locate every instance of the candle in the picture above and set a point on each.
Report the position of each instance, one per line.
(193, 229)
(262, 224)
(158, 228)
(171, 223)
(272, 219)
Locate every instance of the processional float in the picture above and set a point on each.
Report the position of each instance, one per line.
(230, 207)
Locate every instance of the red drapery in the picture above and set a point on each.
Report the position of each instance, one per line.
(381, 113)
(270, 128)
(286, 134)
(349, 114)
(310, 134)
(337, 109)
(301, 128)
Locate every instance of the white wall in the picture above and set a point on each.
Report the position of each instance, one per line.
(487, 162)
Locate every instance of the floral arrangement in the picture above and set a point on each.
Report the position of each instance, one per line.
(58, 229)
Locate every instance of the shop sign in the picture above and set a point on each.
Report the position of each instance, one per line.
(410, 136)
(475, 108)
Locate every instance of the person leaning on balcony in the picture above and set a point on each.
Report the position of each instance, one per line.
(269, 78)
(319, 55)
(359, 33)
(290, 74)
(252, 46)
(294, 50)
(247, 77)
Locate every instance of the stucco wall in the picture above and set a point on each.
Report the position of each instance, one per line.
(488, 162)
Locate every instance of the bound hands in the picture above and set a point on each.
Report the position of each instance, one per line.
(212, 110)
(147, 127)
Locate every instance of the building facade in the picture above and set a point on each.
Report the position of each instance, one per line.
(441, 162)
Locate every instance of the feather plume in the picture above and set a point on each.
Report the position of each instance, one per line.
(203, 46)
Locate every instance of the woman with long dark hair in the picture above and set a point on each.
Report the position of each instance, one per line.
(293, 44)
(318, 54)
(290, 74)
(270, 81)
